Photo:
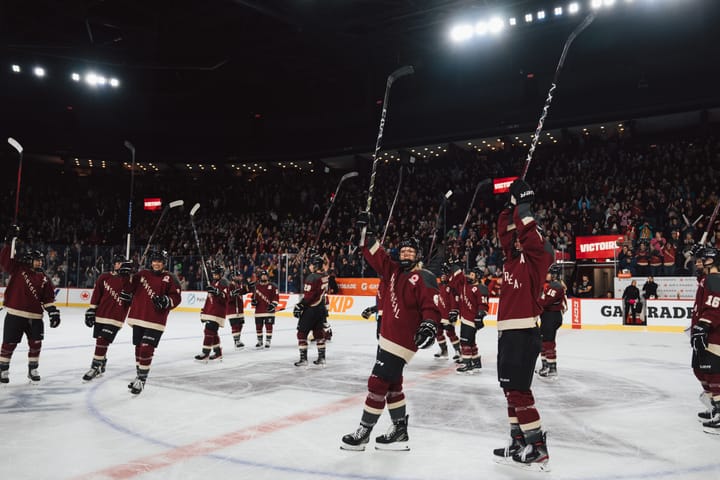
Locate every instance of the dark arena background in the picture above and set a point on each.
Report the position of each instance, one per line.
(246, 135)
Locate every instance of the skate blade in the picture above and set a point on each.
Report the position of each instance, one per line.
(548, 379)
(393, 447)
(34, 383)
(200, 361)
(528, 467)
(466, 372)
(353, 448)
(711, 430)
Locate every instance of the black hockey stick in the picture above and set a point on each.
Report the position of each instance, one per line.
(130, 147)
(480, 185)
(442, 207)
(176, 203)
(16, 145)
(332, 202)
(710, 224)
(578, 30)
(193, 211)
(400, 72)
(392, 207)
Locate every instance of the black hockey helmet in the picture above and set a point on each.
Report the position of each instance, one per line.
(555, 270)
(478, 273)
(317, 261)
(709, 256)
(159, 255)
(261, 272)
(31, 255)
(410, 242)
(217, 270)
(117, 258)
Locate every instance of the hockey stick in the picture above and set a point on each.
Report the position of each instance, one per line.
(442, 207)
(193, 211)
(16, 145)
(578, 30)
(480, 185)
(130, 147)
(176, 203)
(332, 202)
(400, 72)
(392, 207)
(710, 224)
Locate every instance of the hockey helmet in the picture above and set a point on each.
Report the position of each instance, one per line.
(159, 256)
(709, 255)
(217, 270)
(410, 242)
(555, 270)
(317, 261)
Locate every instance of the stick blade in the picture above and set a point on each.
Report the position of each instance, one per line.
(178, 203)
(194, 209)
(15, 144)
(129, 145)
(349, 175)
(402, 71)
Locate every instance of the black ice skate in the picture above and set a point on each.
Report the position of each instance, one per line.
(33, 374)
(5, 373)
(97, 368)
(443, 353)
(259, 343)
(303, 359)
(203, 357)
(712, 426)
(396, 437)
(477, 364)
(457, 357)
(550, 373)
(543, 370)
(239, 345)
(137, 386)
(356, 441)
(466, 367)
(216, 356)
(515, 445)
(535, 454)
(320, 362)
(267, 342)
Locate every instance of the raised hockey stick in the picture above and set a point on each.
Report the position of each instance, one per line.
(176, 203)
(332, 202)
(400, 72)
(480, 184)
(578, 30)
(16, 145)
(130, 147)
(392, 207)
(442, 207)
(710, 224)
(193, 211)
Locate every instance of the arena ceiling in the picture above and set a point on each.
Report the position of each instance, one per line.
(229, 80)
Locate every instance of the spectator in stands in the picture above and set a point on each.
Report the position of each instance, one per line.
(631, 301)
(585, 288)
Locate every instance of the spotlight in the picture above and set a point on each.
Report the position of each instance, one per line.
(16, 68)
(541, 15)
(75, 77)
(558, 11)
(39, 72)
(528, 17)
(512, 21)
(574, 7)
(114, 82)
(496, 25)
(596, 4)
(460, 33)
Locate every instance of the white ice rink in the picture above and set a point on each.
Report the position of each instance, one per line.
(624, 407)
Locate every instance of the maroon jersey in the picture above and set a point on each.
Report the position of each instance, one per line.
(709, 311)
(235, 305)
(471, 298)
(447, 301)
(146, 285)
(110, 310)
(265, 294)
(214, 308)
(699, 295)
(552, 298)
(28, 291)
(314, 289)
(668, 253)
(408, 298)
(523, 274)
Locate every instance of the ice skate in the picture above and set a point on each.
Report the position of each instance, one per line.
(267, 342)
(259, 343)
(515, 445)
(458, 356)
(356, 441)
(137, 386)
(542, 371)
(535, 455)
(216, 356)
(33, 374)
(203, 357)
(396, 437)
(303, 359)
(550, 373)
(465, 368)
(5, 374)
(443, 353)
(97, 369)
(320, 362)
(712, 426)
(477, 364)
(239, 345)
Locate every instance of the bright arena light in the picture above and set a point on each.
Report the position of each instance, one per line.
(528, 17)
(16, 68)
(496, 25)
(460, 33)
(512, 21)
(574, 7)
(558, 11)
(481, 28)
(101, 80)
(39, 72)
(541, 15)
(609, 3)
(596, 3)
(75, 77)
(114, 82)
(91, 79)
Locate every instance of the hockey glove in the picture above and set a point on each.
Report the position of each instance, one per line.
(520, 192)
(253, 302)
(54, 315)
(366, 220)
(235, 293)
(161, 302)
(213, 290)
(368, 311)
(125, 269)
(699, 336)
(126, 298)
(13, 232)
(425, 334)
(298, 310)
(453, 316)
(90, 317)
(479, 323)
(272, 307)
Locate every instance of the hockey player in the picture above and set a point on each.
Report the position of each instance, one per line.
(234, 307)
(705, 336)
(473, 306)
(448, 305)
(212, 315)
(28, 292)
(410, 321)
(154, 293)
(106, 314)
(527, 259)
(311, 312)
(265, 299)
(554, 304)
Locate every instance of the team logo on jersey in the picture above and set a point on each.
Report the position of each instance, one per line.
(414, 279)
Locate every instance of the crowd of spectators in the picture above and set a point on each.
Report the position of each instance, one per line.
(656, 193)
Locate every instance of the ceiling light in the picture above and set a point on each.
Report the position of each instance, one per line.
(39, 72)
(16, 68)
